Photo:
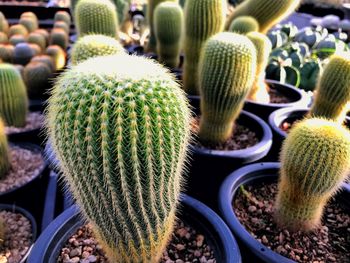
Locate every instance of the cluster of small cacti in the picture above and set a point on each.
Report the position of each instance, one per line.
(5, 163)
(129, 120)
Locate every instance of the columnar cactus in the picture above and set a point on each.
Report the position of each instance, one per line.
(267, 12)
(152, 44)
(332, 99)
(59, 37)
(96, 17)
(13, 96)
(315, 160)
(58, 56)
(203, 19)
(120, 127)
(93, 46)
(36, 76)
(62, 16)
(17, 29)
(226, 74)
(244, 25)
(168, 25)
(263, 47)
(5, 163)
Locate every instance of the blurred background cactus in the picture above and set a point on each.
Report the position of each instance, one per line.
(133, 120)
(233, 59)
(23, 53)
(203, 19)
(315, 160)
(13, 96)
(59, 37)
(168, 27)
(58, 56)
(37, 76)
(244, 25)
(5, 163)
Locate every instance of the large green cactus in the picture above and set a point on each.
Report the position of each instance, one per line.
(263, 47)
(267, 12)
(203, 19)
(244, 25)
(168, 25)
(332, 99)
(120, 127)
(13, 96)
(315, 160)
(5, 163)
(93, 46)
(226, 74)
(96, 17)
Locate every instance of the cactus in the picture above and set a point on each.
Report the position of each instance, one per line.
(58, 56)
(44, 33)
(35, 48)
(5, 163)
(7, 53)
(4, 25)
(37, 38)
(36, 76)
(96, 17)
(226, 74)
(30, 15)
(23, 53)
(315, 160)
(130, 122)
(3, 38)
(62, 25)
(122, 7)
(168, 24)
(46, 59)
(203, 19)
(59, 37)
(13, 96)
(73, 4)
(244, 25)
(29, 23)
(15, 39)
(259, 91)
(17, 29)
(93, 46)
(152, 4)
(62, 16)
(267, 12)
(332, 99)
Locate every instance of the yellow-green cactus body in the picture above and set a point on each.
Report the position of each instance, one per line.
(203, 19)
(244, 24)
(94, 46)
(226, 74)
(13, 96)
(315, 160)
(96, 17)
(168, 25)
(267, 12)
(263, 48)
(5, 163)
(120, 128)
(332, 98)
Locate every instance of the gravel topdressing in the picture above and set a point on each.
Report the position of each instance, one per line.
(35, 120)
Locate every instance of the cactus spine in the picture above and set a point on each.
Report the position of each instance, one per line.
(203, 19)
(96, 17)
(267, 12)
(129, 120)
(5, 163)
(315, 160)
(93, 46)
(263, 48)
(244, 25)
(332, 99)
(226, 74)
(168, 24)
(13, 96)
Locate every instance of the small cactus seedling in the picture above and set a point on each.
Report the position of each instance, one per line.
(267, 12)
(203, 19)
(5, 163)
(36, 76)
(332, 99)
(120, 125)
(29, 23)
(58, 56)
(226, 74)
(23, 53)
(244, 24)
(63, 16)
(93, 46)
(96, 17)
(168, 25)
(37, 38)
(7, 53)
(315, 160)
(17, 29)
(263, 47)
(13, 96)
(59, 37)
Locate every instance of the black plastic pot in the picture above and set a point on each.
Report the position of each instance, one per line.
(251, 249)
(16, 209)
(31, 195)
(263, 110)
(202, 218)
(208, 168)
